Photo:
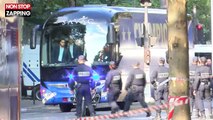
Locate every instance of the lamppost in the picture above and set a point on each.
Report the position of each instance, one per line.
(146, 4)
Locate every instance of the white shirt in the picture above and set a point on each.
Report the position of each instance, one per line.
(71, 50)
(61, 51)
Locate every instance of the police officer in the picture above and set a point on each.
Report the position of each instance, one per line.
(113, 86)
(202, 87)
(82, 75)
(192, 70)
(161, 90)
(135, 86)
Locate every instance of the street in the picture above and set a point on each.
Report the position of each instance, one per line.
(29, 111)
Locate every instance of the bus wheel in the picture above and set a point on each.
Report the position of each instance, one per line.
(65, 107)
(37, 93)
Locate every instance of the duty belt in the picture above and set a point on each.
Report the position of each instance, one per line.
(137, 85)
(204, 81)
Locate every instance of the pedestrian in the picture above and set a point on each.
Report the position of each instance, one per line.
(135, 86)
(113, 86)
(82, 75)
(192, 70)
(202, 88)
(158, 76)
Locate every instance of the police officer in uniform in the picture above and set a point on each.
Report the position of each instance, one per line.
(135, 86)
(161, 91)
(82, 75)
(192, 70)
(113, 86)
(202, 87)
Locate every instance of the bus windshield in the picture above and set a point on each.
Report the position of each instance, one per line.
(64, 40)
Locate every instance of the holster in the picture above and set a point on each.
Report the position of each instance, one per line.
(133, 88)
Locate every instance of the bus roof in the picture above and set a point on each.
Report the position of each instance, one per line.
(113, 9)
(108, 12)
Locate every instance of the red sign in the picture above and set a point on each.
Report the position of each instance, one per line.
(18, 9)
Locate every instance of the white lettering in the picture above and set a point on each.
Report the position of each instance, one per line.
(117, 77)
(192, 73)
(11, 6)
(84, 20)
(84, 74)
(139, 76)
(163, 75)
(205, 75)
(17, 13)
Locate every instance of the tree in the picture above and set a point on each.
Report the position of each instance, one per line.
(178, 59)
(72, 3)
(203, 15)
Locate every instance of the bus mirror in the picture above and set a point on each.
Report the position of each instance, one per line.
(34, 36)
(111, 34)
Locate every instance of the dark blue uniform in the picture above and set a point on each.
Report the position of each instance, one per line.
(202, 88)
(82, 75)
(113, 84)
(192, 72)
(161, 93)
(135, 86)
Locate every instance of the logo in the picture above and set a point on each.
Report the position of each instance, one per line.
(17, 9)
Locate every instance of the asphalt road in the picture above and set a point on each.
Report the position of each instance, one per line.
(38, 111)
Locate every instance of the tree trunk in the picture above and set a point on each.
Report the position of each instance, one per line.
(178, 59)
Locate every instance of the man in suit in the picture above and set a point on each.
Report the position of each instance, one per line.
(72, 49)
(61, 53)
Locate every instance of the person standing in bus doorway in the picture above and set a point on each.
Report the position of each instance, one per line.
(61, 52)
(135, 86)
(113, 86)
(158, 77)
(72, 49)
(82, 75)
(202, 88)
(192, 70)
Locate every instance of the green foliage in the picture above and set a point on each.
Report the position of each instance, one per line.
(203, 15)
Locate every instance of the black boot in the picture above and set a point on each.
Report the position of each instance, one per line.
(203, 116)
(148, 114)
(196, 113)
(158, 116)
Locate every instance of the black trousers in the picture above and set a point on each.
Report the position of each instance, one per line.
(112, 97)
(203, 94)
(83, 91)
(131, 97)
